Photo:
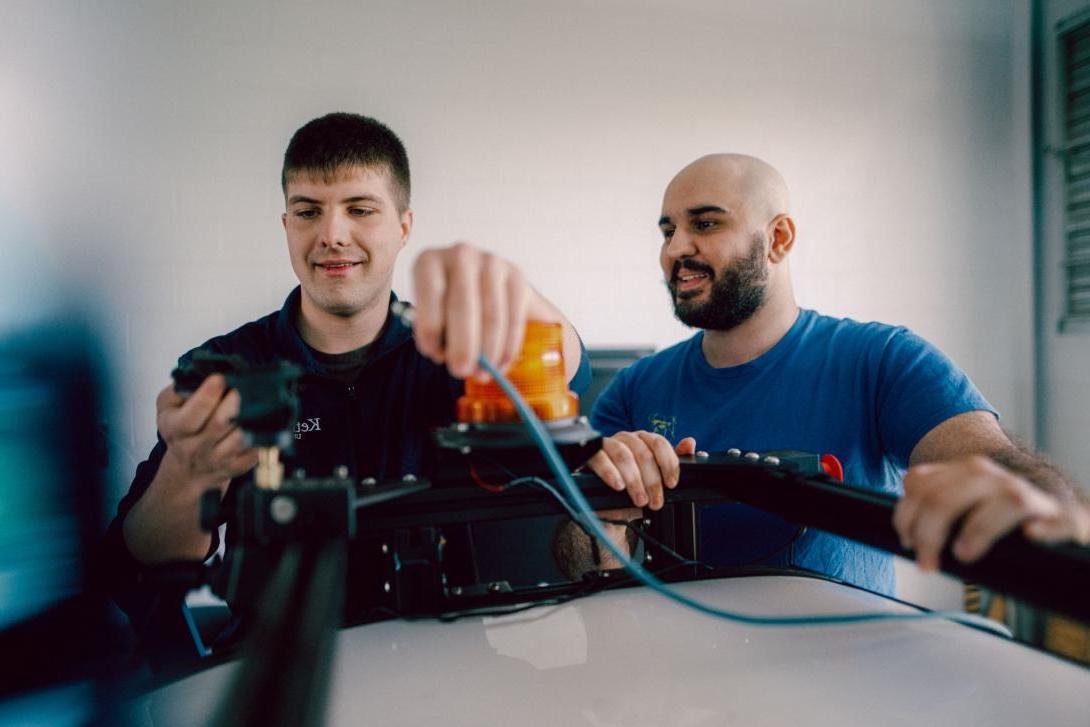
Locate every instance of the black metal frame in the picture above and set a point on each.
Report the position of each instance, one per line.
(1053, 577)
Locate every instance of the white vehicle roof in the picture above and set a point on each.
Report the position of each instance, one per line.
(631, 658)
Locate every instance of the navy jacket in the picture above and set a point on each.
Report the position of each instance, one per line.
(378, 427)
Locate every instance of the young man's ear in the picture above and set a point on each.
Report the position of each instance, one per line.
(406, 225)
(781, 236)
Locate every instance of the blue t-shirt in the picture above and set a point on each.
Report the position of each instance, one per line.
(864, 392)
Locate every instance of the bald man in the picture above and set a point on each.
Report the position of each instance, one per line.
(763, 374)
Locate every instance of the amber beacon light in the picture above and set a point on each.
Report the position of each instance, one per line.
(489, 431)
(538, 374)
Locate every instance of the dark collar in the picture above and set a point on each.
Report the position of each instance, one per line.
(292, 347)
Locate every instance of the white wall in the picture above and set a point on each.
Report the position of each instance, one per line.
(141, 143)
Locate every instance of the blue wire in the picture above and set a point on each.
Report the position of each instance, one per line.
(579, 502)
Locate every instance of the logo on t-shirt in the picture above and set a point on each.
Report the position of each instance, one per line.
(662, 424)
(305, 426)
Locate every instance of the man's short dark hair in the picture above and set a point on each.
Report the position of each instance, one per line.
(331, 143)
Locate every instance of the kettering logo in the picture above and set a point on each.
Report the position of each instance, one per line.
(314, 424)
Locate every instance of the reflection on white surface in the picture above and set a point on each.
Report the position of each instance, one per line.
(556, 639)
(630, 658)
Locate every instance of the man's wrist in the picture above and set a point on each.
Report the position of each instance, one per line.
(164, 524)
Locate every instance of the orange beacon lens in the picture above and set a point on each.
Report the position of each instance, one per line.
(538, 374)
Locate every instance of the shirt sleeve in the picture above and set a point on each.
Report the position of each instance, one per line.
(919, 387)
(581, 380)
(611, 413)
(115, 568)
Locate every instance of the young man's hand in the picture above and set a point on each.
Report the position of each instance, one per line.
(204, 446)
(468, 302)
(205, 450)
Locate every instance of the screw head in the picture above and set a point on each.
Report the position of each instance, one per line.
(752, 456)
(385, 549)
(283, 509)
(702, 454)
(341, 473)
(409, 478)
(299, 473)
(461, 427)
(771, 459)
(465, 450)
(386, 586)
(457, 590)
(734, 452)
(368, 482)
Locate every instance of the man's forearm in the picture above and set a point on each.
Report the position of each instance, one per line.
(1038, 470)
(164, 524)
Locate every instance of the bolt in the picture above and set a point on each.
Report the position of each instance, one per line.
(582, 420)
(734, 452)
(386, 586)
(457, 590)
(752, 456)
(701, 454)
(341, 473)
(772, 460)
(368, 482)
(385, 549)
(283, 509)
(299, 473)
(465, 450)
(461, 427)
(409, 478)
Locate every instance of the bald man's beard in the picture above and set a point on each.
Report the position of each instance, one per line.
(737, 292)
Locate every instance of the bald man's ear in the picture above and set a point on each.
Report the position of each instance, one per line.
(781, 236)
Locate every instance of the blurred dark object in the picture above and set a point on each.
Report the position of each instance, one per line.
(270, 404)
(57, 631)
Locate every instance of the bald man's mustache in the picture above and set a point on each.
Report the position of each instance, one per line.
(692, 265)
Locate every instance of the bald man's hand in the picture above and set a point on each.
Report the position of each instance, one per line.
(988, 500)
(642, 463)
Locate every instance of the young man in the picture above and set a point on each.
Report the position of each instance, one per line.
(372, 388)
(762, 374)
